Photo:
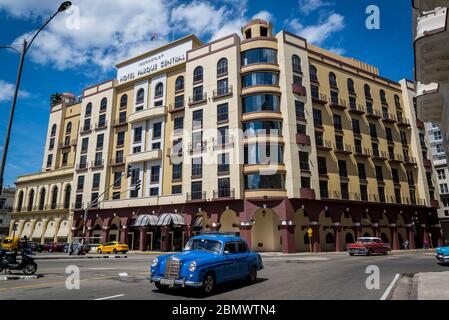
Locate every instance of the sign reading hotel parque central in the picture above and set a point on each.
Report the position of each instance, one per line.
(155, 63)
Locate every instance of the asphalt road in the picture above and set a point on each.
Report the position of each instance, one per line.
(320, 277)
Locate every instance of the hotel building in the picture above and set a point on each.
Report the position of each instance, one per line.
(431, 21)
(264, 135)
(6, 204)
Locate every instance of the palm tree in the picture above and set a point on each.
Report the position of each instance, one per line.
(55, 98)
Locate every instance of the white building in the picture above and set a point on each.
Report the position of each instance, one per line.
(6, 205)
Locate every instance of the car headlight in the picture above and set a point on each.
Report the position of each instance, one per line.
(192, 266)
(155, 263)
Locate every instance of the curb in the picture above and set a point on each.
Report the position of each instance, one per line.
(17, 277)
(80, 257)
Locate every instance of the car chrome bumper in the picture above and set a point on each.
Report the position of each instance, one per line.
(180, 282)
(442, 258)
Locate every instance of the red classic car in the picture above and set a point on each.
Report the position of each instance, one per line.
(368, 246)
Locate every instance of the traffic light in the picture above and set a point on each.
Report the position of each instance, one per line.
(138, 185)
(129, 171)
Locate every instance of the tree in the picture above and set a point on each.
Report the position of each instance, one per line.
(55, 98)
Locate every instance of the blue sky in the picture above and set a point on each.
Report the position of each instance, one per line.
(80, 48)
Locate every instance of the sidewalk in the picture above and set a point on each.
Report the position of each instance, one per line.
(66, 256)
(432, 285)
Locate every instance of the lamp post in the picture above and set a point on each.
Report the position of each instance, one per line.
(25, 46)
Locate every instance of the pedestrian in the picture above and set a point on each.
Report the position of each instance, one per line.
(426, 245)
(405, 244)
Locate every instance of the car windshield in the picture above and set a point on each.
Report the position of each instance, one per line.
(204, 245)
(365, 240)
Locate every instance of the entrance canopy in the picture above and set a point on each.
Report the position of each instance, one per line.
(168, 218)
(145, 220)
(198, 223)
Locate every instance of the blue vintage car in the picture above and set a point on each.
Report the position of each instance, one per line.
(207, 260)
(442, 254)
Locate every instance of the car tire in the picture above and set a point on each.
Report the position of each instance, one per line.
(351, 254)
(252, 276)
(369, 253)
(160, 287)
(114, 251)
(99, 251)
(385, 252)
(208, 283)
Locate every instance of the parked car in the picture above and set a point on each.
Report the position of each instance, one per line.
(35, 247)
(54, 247)
(207, 261)
(368, 246)
(113, 247)
(442, 254)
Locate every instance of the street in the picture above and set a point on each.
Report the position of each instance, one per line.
(327, 276)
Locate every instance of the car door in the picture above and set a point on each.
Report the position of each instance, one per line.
(243, 259)
(231, 265)
(107, 248)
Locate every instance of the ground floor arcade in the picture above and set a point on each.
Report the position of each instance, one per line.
(267, 225)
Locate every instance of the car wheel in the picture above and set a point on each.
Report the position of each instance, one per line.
(351, 254)
(208, 283)
(252, 277)
(30, 269)
(114, 251)
(99, 251)
(369, 253)
(160, 287)
(385, 252)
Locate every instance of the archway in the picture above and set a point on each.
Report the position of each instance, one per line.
(67, 194)
(265, 233)
(38, 231)
(230, 222)
(114, 230)
(385, 230)
(402, 230)
(349, 238)
(50, 231)
(367, 230)
(201, 223)
(348, 234)
(63, 231)
(301, 222)
(325, 222)
(96, 231)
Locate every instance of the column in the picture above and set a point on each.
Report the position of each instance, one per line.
(165, 239)
(245, 234)
(316, 245)
(357, 228)
(394, 237)
(425, 234)
(88, 234)
(337, 235)
(288, 238)
(104, 234)
(411, 237)
(376, 229)
(143, 239)
(214, 222)
(124, 235)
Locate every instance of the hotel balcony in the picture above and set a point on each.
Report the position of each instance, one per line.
(373, 113)
(379, 155)
(306, 193)
(343, 148)
(117, 162)
(147, 114)
(222, 93)
(340, 104)
(120, 122)
(144, 156)
(224, 143)
(357, 109)
(68, 144)
(362, 152)
(196, 196)
(86, 129)
(224, 194)
(427, 163)
(198, 147)
(325, 145)
(435, 204)
(197, 99)
(302, 139)
(410, 160)
(299, 89)
(320, 98)
(98, 164)
(388, 117)
(403, 122)
(395, 158)
(427, 5)
(82, 167)
(431, 49)
(430, 103)
(101, 125)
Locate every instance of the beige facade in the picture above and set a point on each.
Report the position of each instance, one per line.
(338, 134)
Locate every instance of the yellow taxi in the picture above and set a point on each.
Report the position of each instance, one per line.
(9, 243)
(113, 247)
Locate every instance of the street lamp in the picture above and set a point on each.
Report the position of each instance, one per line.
(63, 7)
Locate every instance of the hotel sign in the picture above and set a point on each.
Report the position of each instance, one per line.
(155, 63)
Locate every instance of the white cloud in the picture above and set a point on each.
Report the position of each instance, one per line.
(319, 33)
(308, 6)
(7, 91)
(264, 15)
(339, 51)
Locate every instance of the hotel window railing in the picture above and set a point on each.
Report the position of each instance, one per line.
(222, 91)
(101, 125)
(198, 98)
(224, 193)
(196, 195)
(97, 163)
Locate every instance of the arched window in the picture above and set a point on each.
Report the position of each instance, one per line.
(296, 64)
(68, 191)
(179, 84)
(42, 199)
(397, 101)
(30, 200)
(349, 238)
(159, 91)
(367, 91)
(332, 79)
(53, 130)
(103, 105)
(366, 235)
(313, 73)
(330, 238)
(20, 202)
(54, 197)
(383, 97)
(140, 96)
(198, 74)
(68, 129)
(124, 101)
(306, 239)
(222, 67)
(89, 110)
(351, 88)
(384, 237)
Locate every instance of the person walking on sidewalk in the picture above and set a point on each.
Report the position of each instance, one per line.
(405, 244)
(426, 244)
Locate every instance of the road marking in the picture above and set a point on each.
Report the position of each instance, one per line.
(123, 274)
(296, 259)
(101, 269)
(111, 297)
(390, 287)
